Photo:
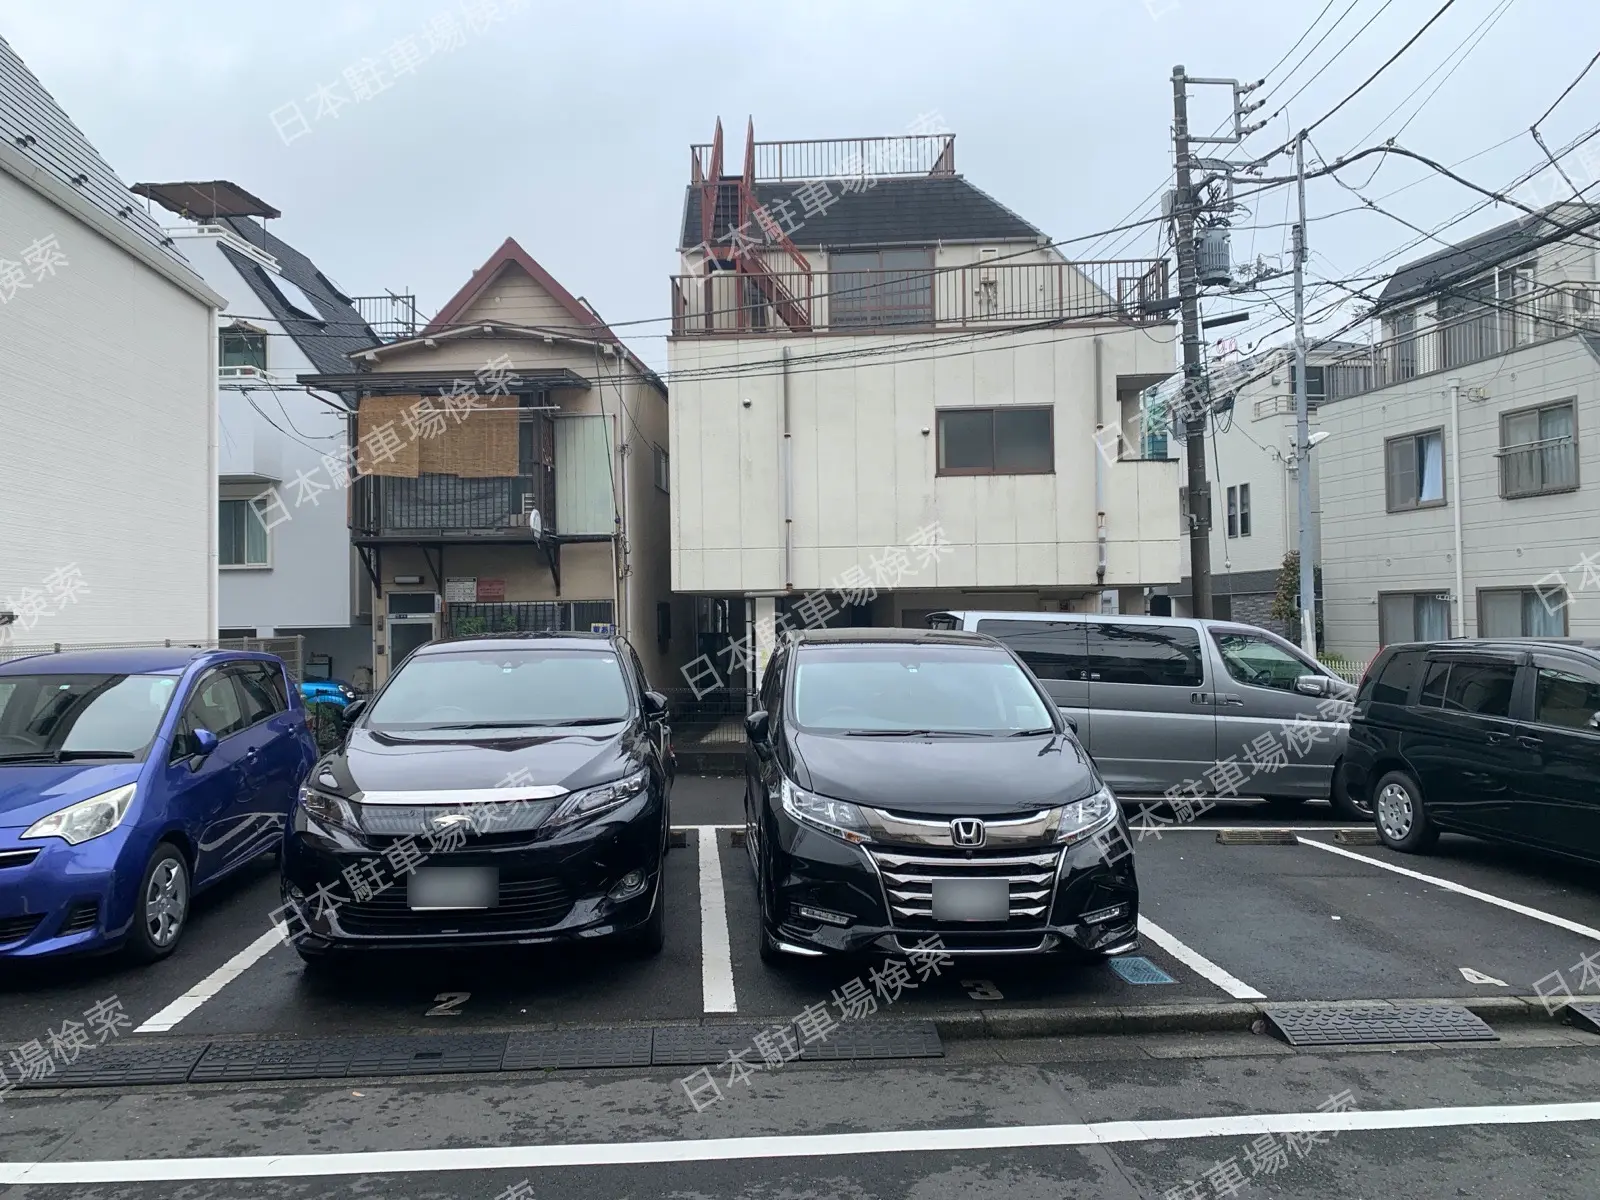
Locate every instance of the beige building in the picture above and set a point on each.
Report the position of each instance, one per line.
(512, 474)
(887, 387)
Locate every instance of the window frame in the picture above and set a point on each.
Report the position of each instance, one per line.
(250, 506)
(661, 465)
(1444, 473)
(1244, 510)
(1195, 680)
(1265, 638)
(1520, 592)
(180, 731)
(238, 668)
(246, 333)
(1233, 512)
(1542, 663)
(1567, 402)
(991, 409)
(1384, 640)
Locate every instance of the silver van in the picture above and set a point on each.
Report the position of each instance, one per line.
(1214, 708)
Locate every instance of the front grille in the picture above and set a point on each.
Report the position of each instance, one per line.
(525, 904)
(415, 820)
(83, 916)
(908, 884)
(18, 858)
(14, 929)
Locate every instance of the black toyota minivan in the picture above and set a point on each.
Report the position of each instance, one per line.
(499, 790)
(902, 784)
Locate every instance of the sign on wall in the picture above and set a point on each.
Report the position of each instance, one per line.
(460, 591)
(491, 590)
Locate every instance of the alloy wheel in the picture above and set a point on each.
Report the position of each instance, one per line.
(1395, 811)
(166, 902)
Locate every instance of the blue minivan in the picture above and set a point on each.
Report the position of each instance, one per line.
(131, 780)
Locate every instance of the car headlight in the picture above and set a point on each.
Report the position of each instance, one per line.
(87, 818)
(840, 819)
(349, 693)
(327, 809)
(591, 802)
(1086, 817)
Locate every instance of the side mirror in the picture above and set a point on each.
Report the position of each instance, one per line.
(655, 706)
(351, 713)
(202, 742)
(1072, 722)
(757, 726)
(1594, 721)
(1312, 685)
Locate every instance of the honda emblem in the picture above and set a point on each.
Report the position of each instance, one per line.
(967, 831)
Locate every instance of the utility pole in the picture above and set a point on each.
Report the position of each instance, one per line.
(1302, 415)
(1192, 408)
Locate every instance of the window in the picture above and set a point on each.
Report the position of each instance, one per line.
(1538, 451)
(663, 473)
(1164, 655)
(906, 686)
(260, 690)
(1433, 685)
(117, 715)
(1522, 612)
(510, 688)
(1244, 510)
(1413, 617)
(1566, 699)
(1233, 512)
(1052, 649)
(1480, 688)
(1414, 470)
(996, 441)
(880, 287)
(1393, 686)
(1316, 384)
(214, 705)
(243, 348)
(242, 533)
(1260, 661)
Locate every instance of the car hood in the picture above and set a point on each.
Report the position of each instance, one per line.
(381, 762)
(945, 776)
(29, 791)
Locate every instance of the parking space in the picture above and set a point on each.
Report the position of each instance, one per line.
(1313, 919)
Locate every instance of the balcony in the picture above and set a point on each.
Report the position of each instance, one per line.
(450, 508)
(390, 316)
(974, 296)
(837, 158)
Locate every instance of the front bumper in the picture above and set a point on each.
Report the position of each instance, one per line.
(551, 889)
(878, 889)
(60, 899)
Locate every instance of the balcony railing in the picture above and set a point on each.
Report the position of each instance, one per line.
(391, 316)
(843, 158)
(729, 302)
(452, 507)
(1550, 465)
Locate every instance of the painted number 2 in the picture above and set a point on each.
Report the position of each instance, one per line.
(982, 989)
(449, 1004)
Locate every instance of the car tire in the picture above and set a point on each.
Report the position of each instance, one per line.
(1401, 814)
(161, 907)
(1345, 803)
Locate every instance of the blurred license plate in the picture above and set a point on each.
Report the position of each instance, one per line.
(971, 900)
(454, 887)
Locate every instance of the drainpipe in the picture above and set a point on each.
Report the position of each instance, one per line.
(619, 555)
(213, 484)
(1455, 504)
(1100, 466)
(786, 482)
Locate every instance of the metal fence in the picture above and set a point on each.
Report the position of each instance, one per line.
(1348, 669)
(713, 719)
(290, 649)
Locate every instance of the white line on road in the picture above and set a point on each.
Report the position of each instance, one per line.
(213, 983)
(1587, 931)
(824, 1145)
(1197, 962)
(716, 956)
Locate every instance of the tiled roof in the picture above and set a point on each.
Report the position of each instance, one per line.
(1464, 258)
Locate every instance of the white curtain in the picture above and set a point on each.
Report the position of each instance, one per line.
(1430, 486)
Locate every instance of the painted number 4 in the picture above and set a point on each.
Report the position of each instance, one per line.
(982, 989)
(449, 1004)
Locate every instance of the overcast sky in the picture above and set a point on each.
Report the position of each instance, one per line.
(567, 125)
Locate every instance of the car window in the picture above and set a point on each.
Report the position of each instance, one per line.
(769, 684)
(1052, 649)
(1256, 660)
(260, 693)
(1567, 699)
(1148, 654)
(907, 686)
(1433, 685)
(117, 714)
(503, 689)
(215, 705)
(1393, 685)
(1480, 688)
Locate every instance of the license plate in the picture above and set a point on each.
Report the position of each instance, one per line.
(971, 900)
(432, 888)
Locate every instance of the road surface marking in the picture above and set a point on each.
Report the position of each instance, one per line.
(1537, 914)
(716, 957)
(213, 983)
(823, 1145)
(1197, 962)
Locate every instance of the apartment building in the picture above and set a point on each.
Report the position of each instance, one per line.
(887, 391)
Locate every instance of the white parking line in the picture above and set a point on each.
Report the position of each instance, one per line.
(1197, 962)
(1587, 931)
(214, 982)
(814, 1145)
(716, 955)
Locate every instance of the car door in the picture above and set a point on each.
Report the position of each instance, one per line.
(1562, 731)
(205, 789)
(1152, 723)
(1464, 746)
(761, 763)
(1058, 653)
(1279, 738)
(274, 758)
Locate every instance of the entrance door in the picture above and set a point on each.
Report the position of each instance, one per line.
(406, 634)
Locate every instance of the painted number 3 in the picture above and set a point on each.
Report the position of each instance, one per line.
(982, 989)
(449, 1004)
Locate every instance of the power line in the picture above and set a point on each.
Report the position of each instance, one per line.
(1568, 90)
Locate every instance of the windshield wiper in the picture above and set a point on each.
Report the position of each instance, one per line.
(528, 724)
(915, 733)
(1032, 732)
(60, 756)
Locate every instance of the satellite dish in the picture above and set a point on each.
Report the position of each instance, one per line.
(536, 522)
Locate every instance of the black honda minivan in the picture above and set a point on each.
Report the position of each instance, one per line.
(499, 790)
(903, 783)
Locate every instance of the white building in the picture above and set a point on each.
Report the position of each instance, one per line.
(285, 562)
(108, 477)
(1459, 478)
(870, 353)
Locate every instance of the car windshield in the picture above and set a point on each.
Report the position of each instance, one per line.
(502, 689)
(865, 689)
(58, 717)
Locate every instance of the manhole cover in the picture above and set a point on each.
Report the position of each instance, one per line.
(1336, 1025)
(1255, 837)
(1356, 837)
(578, 1048)
(1585, 1016)
(1140, 970)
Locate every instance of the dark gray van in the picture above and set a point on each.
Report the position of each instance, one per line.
(1212, 708)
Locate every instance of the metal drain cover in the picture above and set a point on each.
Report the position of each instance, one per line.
(578, 1048)
(1585, 1015)
(1255, 837)
(125, 1063)
(335, 1058)
(1356, 837)
(1140, 970)
(1378, 1024)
